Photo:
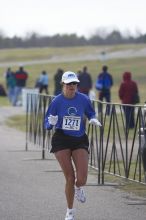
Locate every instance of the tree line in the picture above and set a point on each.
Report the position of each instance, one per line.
(69, 40)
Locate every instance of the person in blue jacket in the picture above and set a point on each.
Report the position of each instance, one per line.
(70, 143)
(104, 83)
(43, 82)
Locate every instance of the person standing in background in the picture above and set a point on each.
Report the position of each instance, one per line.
(43, 82)
(11, 83)
(21, 77)
(128, 89)
(85, 84)
(6, 75)
(57, 82)
(104, 83)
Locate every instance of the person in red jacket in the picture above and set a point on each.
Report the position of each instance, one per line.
(21, 77)
(127, 91)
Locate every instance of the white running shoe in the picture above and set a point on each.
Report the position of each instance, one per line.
(70, 215)
(80, 194)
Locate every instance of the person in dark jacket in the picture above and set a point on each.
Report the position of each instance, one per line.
(85, 79)
(20, 77)
(57, 82)
(7, 74)
(128, 88)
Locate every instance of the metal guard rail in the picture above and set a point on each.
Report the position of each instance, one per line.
(114, 148)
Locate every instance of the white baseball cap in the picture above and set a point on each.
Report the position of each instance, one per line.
(69, 77)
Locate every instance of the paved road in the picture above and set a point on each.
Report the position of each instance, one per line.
(33, 189)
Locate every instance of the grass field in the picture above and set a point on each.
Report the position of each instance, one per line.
(116, 66)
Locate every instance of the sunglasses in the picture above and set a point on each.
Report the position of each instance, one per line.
(71, 83)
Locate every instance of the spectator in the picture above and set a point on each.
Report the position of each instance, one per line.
(128, 89)
(21, 77)
(57, 82)
(11, 83)
(43, 82)
(104, 83)
(85, 79)
(6, 75)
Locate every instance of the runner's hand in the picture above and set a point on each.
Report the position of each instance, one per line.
(53, 119)
(94, 121)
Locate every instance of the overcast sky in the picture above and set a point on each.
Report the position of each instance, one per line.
(83, 17)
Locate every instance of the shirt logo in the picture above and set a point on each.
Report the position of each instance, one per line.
(72, 111)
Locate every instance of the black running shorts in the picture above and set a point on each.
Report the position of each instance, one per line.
(61, 141)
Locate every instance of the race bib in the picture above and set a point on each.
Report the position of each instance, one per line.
(71, 123)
